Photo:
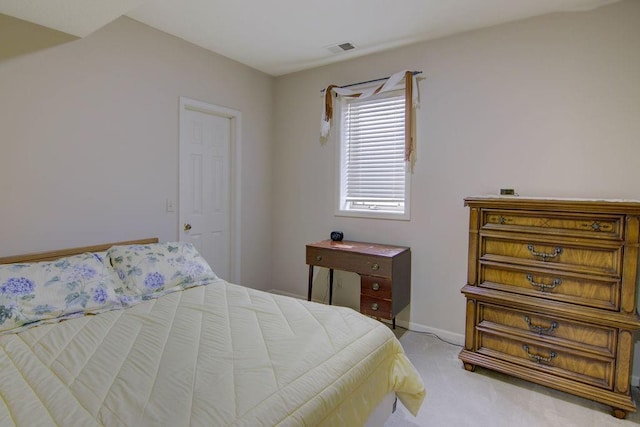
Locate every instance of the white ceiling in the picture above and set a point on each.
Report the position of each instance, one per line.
(284, 36)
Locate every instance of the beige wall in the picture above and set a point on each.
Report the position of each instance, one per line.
(89, 141)
(549, 106)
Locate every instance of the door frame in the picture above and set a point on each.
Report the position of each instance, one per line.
(234, 174)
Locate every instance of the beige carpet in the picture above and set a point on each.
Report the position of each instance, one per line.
(456, 397)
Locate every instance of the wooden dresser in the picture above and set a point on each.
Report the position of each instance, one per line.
(385, 273)
(551, 293)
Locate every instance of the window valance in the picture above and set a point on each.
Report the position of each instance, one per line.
(393, 82)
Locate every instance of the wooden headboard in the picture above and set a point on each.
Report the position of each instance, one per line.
(60, 253)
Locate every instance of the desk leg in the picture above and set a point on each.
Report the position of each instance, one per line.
(310, 283)
(394, 322)
(330, 286)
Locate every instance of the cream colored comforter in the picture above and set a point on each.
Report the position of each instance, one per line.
(213, 355)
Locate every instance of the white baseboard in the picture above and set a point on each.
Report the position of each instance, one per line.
(452, 337)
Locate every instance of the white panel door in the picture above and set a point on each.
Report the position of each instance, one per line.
(204, 199)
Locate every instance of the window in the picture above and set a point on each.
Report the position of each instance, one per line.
(374, 180)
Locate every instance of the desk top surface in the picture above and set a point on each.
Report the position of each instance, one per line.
(376, 249)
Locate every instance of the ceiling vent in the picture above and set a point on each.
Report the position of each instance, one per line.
(342, 47)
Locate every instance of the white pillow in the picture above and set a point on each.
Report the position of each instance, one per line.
(148, 271)
(34, 292)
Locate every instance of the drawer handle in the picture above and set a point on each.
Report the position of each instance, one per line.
(544, 255)
(375, 286)
(539, 359)
(318, 257)
(375, 306)
(375, 267)
(543, 286)
(540, 329)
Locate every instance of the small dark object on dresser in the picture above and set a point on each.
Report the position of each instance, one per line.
(337, 236)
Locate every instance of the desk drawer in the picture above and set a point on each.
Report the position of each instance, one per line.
(350, 261)
(375, 307)
(560, 254)
(555, 223)
(376, 287)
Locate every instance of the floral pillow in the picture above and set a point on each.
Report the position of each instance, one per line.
(149, 271)
(31, 293)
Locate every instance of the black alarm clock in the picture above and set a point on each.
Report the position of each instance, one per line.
(337, 236)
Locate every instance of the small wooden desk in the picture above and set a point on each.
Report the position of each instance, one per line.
(385, 273)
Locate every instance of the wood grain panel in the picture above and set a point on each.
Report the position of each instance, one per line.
(630, 272)
(550, 329)
(375, 307)
(376, 287)
(472, 266)
(588, 290)
(561, 255)
(470, 335)
(623, 371)
(579, 367)
(557, 223)
(349, 261)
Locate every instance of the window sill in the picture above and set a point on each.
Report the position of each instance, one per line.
(374, 215)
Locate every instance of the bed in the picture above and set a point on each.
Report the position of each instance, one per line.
(142, 333)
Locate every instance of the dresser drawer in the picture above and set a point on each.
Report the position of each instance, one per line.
(376, 287)
(555, 223)
(375, 307)
(591, 291)
(350, 261)
(559, 255)
(552, 330)
(580, 367)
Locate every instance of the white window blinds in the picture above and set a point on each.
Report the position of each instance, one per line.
(374, 172)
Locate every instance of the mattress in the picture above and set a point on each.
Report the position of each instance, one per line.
(214, 355)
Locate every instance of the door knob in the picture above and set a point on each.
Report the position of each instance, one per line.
(187, 227)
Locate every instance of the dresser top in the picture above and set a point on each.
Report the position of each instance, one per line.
(566, 199)
(556, 203)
